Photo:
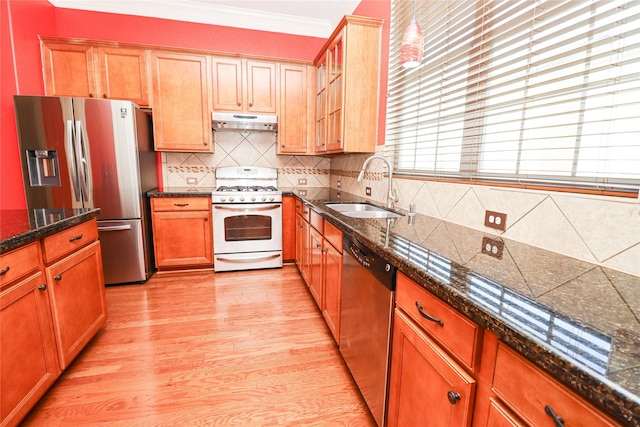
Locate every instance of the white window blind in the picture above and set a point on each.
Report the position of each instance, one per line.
(536, 92)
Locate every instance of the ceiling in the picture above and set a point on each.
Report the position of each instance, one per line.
(315, 18)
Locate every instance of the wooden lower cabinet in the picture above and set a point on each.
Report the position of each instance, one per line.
(182, 232)
(78, 300)
(427, 387)
(501, 416)
(288, 228)
(316, 266)
(332, 287)
(28, 361)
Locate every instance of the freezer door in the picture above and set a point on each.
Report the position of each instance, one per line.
(123, 251)
(45, 135)
(108, 156)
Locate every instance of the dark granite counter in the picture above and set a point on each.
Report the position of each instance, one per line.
(20, 227)
(576, 320)
(182, 192)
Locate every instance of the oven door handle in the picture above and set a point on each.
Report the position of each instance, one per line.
(245, 260)
(266, 208)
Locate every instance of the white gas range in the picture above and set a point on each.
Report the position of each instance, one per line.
(247, 219)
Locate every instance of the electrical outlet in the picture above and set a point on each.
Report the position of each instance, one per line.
(497, 220)
(339, 184)
(492, 247)
(302, 181)
(302, 192)
(192, 181)
(367, 191)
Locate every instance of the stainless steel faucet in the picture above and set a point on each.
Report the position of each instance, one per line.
(391, 194)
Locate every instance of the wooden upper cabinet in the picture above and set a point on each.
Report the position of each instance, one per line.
(349, 120)
(86, 69)
(295, 109)
(243, 85)
(69, 69)
(181, 113)
(124, 74)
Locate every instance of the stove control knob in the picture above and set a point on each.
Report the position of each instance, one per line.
(231, 199)
(253, 198)
(264, 198)
(242, 198)
(222, 199)
(271, 199)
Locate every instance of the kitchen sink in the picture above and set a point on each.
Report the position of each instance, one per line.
(362, 210)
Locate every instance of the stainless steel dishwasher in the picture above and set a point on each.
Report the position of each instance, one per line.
(368, 285)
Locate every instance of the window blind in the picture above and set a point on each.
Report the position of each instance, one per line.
(534, 92)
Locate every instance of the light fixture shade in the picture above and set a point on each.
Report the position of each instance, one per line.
(412, 47)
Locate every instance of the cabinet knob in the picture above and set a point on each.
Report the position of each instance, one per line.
(104, 95)
(239, 104)
(453, 397)
(282, 145)
(557, 421)
(42, 287)
(90, 95)
(4, 271)
(57, 277)
(251, 104)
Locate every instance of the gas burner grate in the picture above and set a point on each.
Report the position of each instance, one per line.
(243, 188)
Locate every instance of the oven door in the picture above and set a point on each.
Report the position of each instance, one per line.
(247, 228)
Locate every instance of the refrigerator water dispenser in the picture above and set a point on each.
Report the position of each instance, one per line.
(43, 168)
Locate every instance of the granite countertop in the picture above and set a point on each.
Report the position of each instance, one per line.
(576, 320)
(182, 192)
(19, 227)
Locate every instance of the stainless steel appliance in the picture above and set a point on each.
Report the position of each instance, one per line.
(247, 219)
(244, 122)
(368, 287)
(78, 152)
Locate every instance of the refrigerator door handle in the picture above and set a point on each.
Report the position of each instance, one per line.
(82, 162)
(72, 160)
(115, 228)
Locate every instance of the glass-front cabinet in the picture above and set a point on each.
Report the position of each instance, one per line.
(348, 86)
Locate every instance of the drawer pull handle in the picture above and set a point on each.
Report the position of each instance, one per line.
(57, 277)
(73, 239)
(181, 205)
(4, 271)
(559, 422)
(427, 316)
(42, 287)
(453, 397)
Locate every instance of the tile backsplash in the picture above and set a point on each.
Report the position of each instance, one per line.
(598, 229)
(242, 149)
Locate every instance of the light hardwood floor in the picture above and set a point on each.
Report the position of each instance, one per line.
(247, 349)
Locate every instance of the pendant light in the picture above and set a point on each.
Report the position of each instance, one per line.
(412, 47)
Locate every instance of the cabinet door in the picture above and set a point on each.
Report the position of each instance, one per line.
(261, 87)
(227, 84)
(427, 387)
(181, 114)
(28, 359)
(315, 266)
(334, 108)
(78, 300)
(293, 110)
(69, 70)
(124, 74)
(302, 239)
(288, 228)
(182, 239)
(332, 289)
(321, 108)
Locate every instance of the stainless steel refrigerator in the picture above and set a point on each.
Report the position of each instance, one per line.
(83, 152)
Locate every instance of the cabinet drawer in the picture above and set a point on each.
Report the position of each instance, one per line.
(529, 402)
(18, 263)
(69, 240)
(303, 210)
(459, 335)
(174, 204)
(316, 221)
(333, 235)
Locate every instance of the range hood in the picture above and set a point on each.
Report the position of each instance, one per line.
(244, 122)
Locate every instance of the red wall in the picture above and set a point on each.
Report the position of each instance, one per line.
(30, 18)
